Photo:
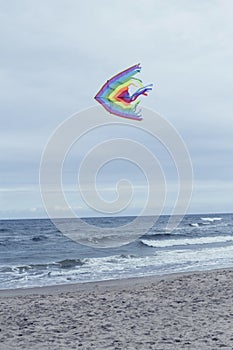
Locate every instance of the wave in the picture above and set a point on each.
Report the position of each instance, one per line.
(39, 238)
(159, 236)
(186, 241)
(194, 224)
(116, 266)
(206, 222)
(63, 264)
(211, 219)
(128, 256)
(5, 230)
(68, 263)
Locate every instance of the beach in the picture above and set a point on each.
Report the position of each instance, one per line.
(177, 311)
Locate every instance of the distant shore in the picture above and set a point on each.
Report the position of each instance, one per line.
(179, 311)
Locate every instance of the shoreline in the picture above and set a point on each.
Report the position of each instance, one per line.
(115, 284)
(184, 311)
(109, 284)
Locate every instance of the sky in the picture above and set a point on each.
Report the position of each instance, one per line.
(55, 55)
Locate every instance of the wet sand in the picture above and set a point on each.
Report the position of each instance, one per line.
(180, 311)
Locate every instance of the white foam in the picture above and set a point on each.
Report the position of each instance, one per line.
(211, 219)
(186, 241)
(194, 224)
(117, 266)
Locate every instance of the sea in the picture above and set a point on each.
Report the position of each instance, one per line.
(34, 253)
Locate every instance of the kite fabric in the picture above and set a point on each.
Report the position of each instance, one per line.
(114, 95)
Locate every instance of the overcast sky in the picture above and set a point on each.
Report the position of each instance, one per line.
(56, 54)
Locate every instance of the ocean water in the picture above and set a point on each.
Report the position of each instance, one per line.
(35, 253)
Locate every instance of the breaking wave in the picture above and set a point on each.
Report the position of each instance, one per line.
(186, 241)
(211, 219)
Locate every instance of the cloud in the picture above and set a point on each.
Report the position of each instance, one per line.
(56, 55)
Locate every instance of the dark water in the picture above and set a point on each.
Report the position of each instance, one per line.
(35, 253)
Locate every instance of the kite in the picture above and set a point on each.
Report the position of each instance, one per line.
(115, 97)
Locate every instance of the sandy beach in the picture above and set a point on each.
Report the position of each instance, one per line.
(181, 311)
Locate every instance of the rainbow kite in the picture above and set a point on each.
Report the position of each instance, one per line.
(114, 95)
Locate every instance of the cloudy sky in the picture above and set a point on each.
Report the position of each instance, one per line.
(56, 54)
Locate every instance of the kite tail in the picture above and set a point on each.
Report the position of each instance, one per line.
(142, 91)
(134, 107)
